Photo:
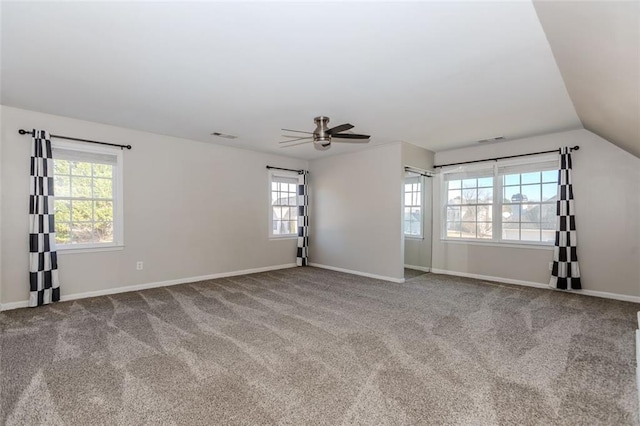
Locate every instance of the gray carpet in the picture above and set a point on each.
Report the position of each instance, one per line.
(310, 346)
(410, 274)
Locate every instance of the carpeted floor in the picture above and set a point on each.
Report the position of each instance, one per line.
(410, 274)
(310, 346)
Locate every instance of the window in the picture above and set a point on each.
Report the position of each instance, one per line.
(284, 205)
(504, 202)
(88, 196)
(413, 205)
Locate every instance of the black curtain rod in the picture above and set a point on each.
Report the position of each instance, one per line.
(289, 170)
(408, 169)
(26, 132)
(557, 151)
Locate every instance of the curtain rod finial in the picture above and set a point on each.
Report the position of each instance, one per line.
(575, 148)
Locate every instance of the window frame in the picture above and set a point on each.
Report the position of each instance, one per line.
(117, 192)
(283, 174)
(497, 202)
(420, 178)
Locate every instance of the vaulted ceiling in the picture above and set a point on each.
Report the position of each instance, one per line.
(436, 74)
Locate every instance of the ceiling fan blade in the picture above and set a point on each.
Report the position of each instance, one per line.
(350, 136)
(297, 131)
(350, 140)
(340, 128)
(298, 139)
(296, 144)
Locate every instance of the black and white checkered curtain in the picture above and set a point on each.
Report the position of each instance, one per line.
(566, 273)
(43, 262)
(303, 219)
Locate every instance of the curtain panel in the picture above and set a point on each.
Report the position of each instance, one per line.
(303, 219)
(43, 261)
(566, 272)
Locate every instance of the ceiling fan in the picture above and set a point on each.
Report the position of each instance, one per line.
(323, 135)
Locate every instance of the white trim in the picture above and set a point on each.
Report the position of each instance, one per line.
(418, 268)
(492, 243)
(593, 293)
(362, 274)
(137, 287)
(92, 249)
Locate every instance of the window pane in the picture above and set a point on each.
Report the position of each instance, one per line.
(468, 229)
(62, 211)
(549, 191)
(63, 232)
(530, 213)
(510, 231)
(407, 226)
(62, 186)
(484, 230)
(81, 187)
(548, 214)
(470, 183)
(530, 232)
(469, 196)
(407, 198)
(511, 179)
(548, 232)
(486, 182)
(81, 233)
(417, 201)
(484, 213)
(61, 167)
(454, 184)
(510, 193)
(485, 195)
(453, 229)
(455, 196)
(533, 177)
(274, 186)
(81, 211)
(531, 192)
(469, 213)
(453, 214)
(80, 168)
(103, 211)
(102, 188)
(415, 228)
(103, 232)
(510, 213)
(550, 176)
(103, 170)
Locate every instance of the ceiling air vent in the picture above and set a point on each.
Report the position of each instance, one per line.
(223, 135)
(496, 139)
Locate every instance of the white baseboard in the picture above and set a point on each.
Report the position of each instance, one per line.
(418, 268)
(594, 293)
(136, 287)
(362, 274)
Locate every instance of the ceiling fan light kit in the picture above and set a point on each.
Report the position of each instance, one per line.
(322, 136)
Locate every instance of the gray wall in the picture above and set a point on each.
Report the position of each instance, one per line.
(190, 209)
(356, 211)
(417, 252)
(606, 182)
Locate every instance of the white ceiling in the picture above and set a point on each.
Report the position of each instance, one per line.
(439, 74)
(597, 48)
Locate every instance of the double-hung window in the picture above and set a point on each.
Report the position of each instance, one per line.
(506, 201)
(88, 196)
(413, 198)
(283, 210)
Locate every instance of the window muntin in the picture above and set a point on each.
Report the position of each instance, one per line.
(86, 201)
(509, 202)
(284, 205)
(413, 199)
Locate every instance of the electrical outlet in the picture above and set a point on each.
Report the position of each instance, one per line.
(139, 265)
(551, 266)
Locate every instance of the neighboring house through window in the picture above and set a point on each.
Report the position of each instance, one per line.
(508, 201)
(284, 204)
(413, 199)
(88, 196)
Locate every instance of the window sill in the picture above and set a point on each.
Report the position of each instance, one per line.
(518, 245)
(74, 250)
(413, 237)
(283, 237)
